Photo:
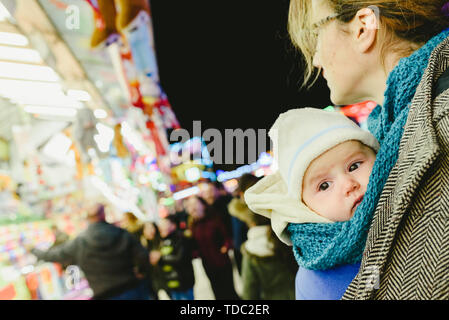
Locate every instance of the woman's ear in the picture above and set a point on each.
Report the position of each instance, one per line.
(366, 24)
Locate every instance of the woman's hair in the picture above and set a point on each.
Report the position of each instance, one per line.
(208, 209)
(130, 216)
(144, 241)
(172, 218)
(246, 181)
(154, 225)
(257, 219)
(97, 213)
(204, 202)
(415, 21)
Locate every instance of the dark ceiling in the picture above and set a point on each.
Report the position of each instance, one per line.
(229, 63)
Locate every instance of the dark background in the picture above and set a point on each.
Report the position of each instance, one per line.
(229, 63)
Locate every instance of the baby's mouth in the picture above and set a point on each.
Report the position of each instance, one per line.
(357, 202)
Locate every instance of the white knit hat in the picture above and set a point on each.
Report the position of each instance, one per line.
(299, 136)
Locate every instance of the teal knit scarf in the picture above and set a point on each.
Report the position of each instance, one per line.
(321, 246)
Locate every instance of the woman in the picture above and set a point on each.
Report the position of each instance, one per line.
(268, 266)
(132, 224)
(212, 244)
(174, 258)
(151, 240)
(396, 55)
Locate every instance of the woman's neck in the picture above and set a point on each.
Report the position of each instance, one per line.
(390, 62)
(378, 85)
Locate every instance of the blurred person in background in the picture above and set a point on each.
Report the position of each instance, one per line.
(132, 224)
(60, 236)
(174, 260)
(215, 196)
(107, 255)
(181, 215)
(212, 242)
(240, 213)
(268, 265)
(151, 240)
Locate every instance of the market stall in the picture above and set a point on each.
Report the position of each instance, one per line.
(92, 127)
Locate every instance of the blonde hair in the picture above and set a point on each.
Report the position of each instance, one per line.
(415, 21)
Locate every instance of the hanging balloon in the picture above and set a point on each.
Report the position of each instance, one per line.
(166, 112)
(84, 131)
(136, 96)
(128, 10)
(122, 151)
(160, 150)
(126, 70)
(148, 109)
(150, 103)
(162, 133)
(105, 31)
(79, 165)
(144, 58)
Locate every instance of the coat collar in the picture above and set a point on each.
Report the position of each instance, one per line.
(419, 145)
(417, 151)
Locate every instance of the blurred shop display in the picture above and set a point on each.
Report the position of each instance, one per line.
(83, 119)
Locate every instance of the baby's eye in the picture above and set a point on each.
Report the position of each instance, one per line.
(323, 186)
(355, 166)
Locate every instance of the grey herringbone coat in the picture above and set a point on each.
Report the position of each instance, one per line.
(407, 250)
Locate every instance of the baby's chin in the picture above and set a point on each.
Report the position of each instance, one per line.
(350, 214)
(342, 218)
(339, 217)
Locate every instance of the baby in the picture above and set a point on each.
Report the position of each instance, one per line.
(325, 161)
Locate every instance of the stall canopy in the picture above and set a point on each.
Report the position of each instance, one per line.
(73, 20)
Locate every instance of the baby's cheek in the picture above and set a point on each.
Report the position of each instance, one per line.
(367, 175)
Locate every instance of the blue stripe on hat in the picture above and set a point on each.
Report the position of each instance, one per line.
(309, 141)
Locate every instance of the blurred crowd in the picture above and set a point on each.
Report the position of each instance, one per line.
(143, 259)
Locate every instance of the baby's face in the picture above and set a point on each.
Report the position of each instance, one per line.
(334, 183)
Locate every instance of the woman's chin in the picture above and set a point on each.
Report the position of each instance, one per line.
(336, 99)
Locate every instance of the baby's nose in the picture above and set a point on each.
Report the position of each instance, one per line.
(351, 185)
